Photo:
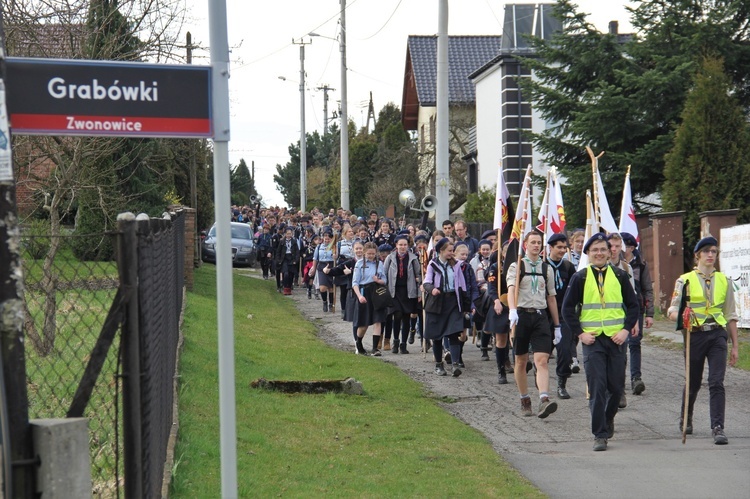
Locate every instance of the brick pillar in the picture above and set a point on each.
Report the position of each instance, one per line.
(667, 241)
(190, 222)
(713, 221)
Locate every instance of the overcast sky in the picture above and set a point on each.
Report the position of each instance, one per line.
(266, 110)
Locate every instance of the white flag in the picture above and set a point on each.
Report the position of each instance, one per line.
(524, 209)
(543, 216)
(501, 198)
(627, 212)
(558, 222)
(605, 218)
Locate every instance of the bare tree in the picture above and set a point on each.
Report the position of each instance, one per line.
(61, 172)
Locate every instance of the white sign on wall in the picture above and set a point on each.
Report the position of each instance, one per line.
(735, 263)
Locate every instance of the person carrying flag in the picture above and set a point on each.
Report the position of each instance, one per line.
(712, 301)
(530, 298)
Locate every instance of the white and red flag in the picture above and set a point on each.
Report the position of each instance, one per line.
(627, 212)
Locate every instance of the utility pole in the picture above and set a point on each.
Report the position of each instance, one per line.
(344, 115)
(325, 88)
(442, 166)
(302, 139)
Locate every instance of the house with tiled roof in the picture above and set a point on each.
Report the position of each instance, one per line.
(466, 54)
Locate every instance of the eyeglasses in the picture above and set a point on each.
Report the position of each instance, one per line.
(599, 250)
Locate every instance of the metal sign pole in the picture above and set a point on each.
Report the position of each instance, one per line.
(217, 16)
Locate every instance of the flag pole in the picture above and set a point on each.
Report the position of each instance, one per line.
(526, 206)
(594, 169)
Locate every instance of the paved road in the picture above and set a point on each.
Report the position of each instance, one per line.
(645, 458)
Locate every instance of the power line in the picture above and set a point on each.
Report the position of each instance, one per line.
(338, 12)
(386, 22)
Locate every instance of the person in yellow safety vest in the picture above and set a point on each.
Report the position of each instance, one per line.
(712, 302)
(601, 308)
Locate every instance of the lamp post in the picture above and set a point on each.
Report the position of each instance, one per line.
(302, 140)
(344, 132)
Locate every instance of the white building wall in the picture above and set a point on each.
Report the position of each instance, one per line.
(489, 120)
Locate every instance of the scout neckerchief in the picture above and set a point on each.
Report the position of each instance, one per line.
(600, 281)
(707, 280)
(534, 275)
(558, 278)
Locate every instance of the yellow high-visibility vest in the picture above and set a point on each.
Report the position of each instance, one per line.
(602, 314)
(702, 308)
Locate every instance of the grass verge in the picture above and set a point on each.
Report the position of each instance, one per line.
(394, 441)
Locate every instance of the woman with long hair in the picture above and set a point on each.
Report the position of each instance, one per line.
(461, 254)
(345, 270)
(444, 282)
(323, 258)
(344, 253)
(367, 273)
(402, 271)
(308, 255)
(481, 264)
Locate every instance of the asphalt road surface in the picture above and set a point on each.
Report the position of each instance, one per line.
(645, 458)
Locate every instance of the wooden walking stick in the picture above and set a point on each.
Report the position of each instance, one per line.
(686, 316)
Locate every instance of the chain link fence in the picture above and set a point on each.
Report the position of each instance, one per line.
(66, 302)
(101, 337)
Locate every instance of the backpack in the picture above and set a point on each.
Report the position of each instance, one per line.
(545, 267)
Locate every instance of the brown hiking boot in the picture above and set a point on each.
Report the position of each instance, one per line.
(526, 407)
(546, 407)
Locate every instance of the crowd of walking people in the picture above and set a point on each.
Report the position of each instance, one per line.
(438, 289)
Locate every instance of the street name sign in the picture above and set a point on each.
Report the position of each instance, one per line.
(104, 98)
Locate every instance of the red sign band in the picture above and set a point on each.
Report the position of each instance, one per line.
(131, 126)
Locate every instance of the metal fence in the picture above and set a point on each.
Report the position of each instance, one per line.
(101, 341)
(66, 302)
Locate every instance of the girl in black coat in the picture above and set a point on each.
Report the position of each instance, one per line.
(287, 256)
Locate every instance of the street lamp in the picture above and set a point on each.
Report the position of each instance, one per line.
(344, 132)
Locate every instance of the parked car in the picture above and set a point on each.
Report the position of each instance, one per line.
(244, 251)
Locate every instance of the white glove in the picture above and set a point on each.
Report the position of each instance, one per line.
(513, 316)
(558, 335)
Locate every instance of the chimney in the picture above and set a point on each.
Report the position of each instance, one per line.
(613, 27)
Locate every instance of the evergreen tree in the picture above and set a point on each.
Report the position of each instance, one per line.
(709, 165)
(241, 184)
(480, 206)
(624, 95)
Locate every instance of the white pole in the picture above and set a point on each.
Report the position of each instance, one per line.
(217, 16)
(302, 137)
(442, 167)
(344, 115)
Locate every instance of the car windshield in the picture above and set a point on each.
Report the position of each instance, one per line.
(238, 232)
(241, 232)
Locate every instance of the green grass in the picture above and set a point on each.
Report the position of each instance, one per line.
(53, 377)
(743, 361)
(394, 441)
